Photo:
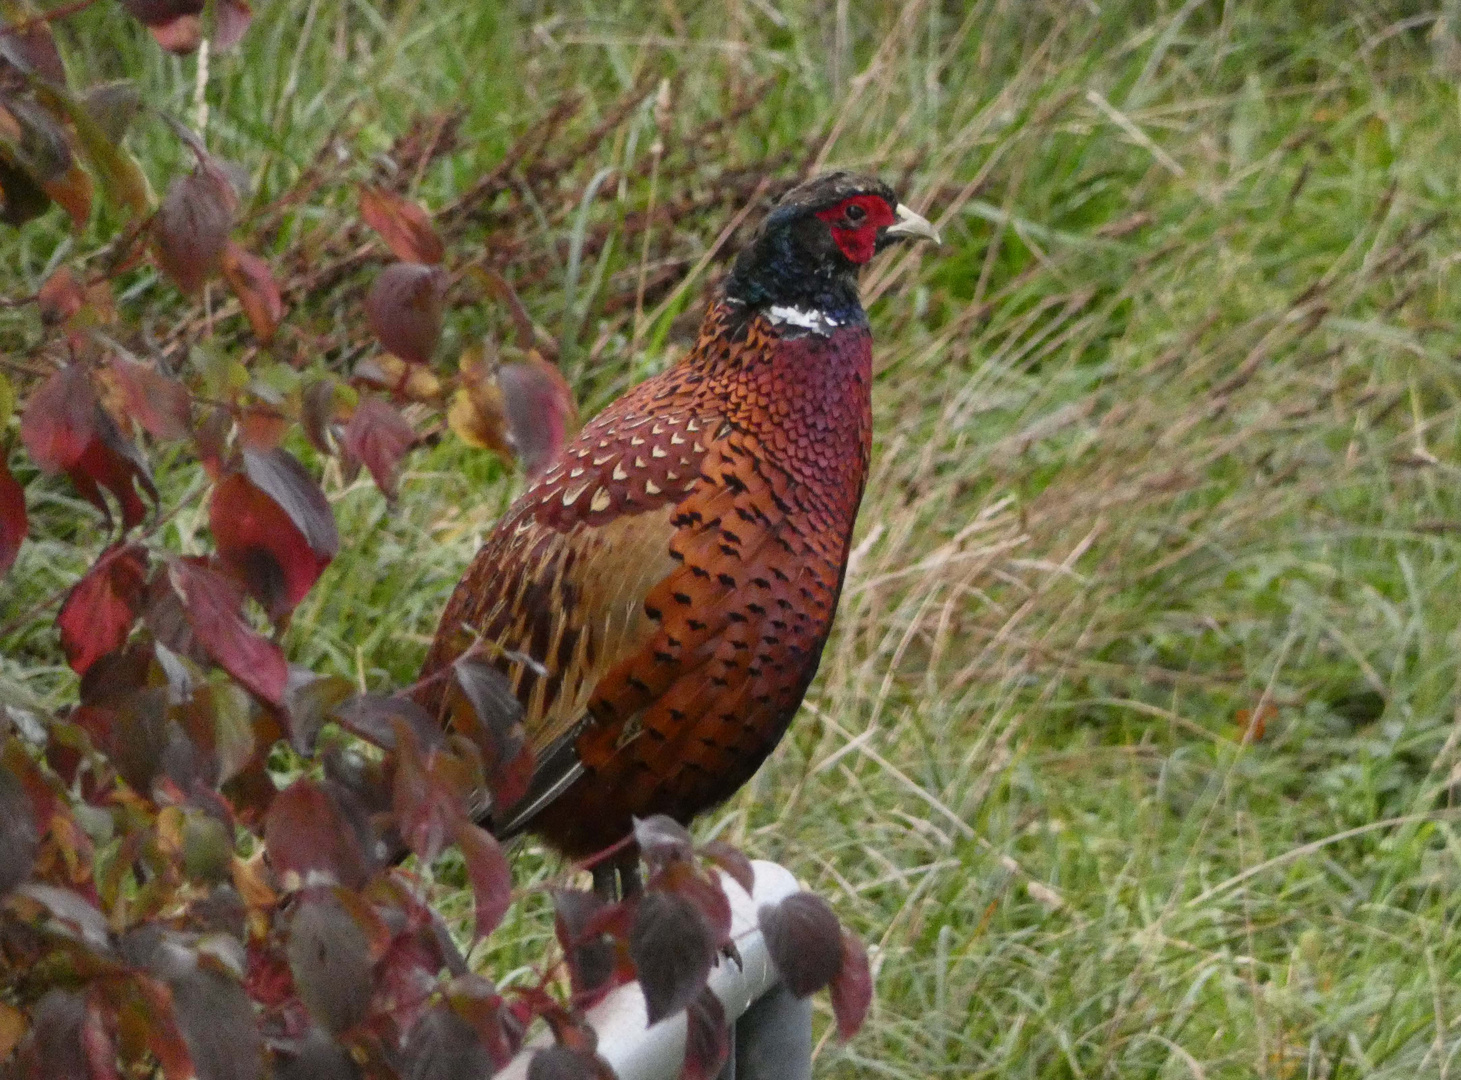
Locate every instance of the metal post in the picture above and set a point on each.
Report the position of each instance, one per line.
(775, 1039)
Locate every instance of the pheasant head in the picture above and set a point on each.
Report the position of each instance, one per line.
(806, 255)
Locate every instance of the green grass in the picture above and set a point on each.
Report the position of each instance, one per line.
(1169, 429)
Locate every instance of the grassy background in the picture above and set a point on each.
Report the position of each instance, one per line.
(1168, 437)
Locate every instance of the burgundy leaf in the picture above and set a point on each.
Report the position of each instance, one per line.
(71, 914)
(707, 1037)
(307, 834)
(804, 940)
(429, 795)
(160, 12)
(231, 20)
(59, 422)
(250, 277)
(192, 226)
(402, 224)
(540, 409)
(113, 462)
(54, 1048)
(218, 1025)
(316, 1057)
(374, 717)
(33, 49)
(310, 700)
(477, 1002)
(99, 611)
(732, 862)
(274, 529)
(19, 836)
(706, 893)
(852, 988)
(404, 309)
(210, 603)
(60, 297)
(443, 1046)
(161, 404)
(281, 476)
(43, 149)
(488, 872)
(673, 949)
(662, 839)
(329, 958)
(406, 979)
(490, 715)
(318, 414)
(589, 952)
(566, 1063)
(379, 436)
(13, 520)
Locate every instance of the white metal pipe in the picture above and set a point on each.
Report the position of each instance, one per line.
(636, 1051)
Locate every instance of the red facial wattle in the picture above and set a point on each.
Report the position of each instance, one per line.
(858, 239)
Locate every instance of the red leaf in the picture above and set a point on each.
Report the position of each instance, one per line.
(804, 940)
(379, 436)
(852, 989)
(211, 604)
(673, 948)
(253, 283)
(100, 609)
(262, 541)
(161, 404)
(402, 224)
(13, 521)
(404, 308)
(59, 422)
(707, 1037)
(181, 36)
(540, 409)
(60, 297)
(192, 226)
(429, 795)
(307, 833)
(488, 872)
(231, 19)
(280, 475)
(732, 862)
(114, 463)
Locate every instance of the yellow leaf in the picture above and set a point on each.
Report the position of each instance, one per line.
(12, 1027)
(478, 413)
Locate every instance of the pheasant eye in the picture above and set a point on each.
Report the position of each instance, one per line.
(855, 214)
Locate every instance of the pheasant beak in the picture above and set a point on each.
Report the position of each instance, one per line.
(911, 226)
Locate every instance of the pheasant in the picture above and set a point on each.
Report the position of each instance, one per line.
(660, 596)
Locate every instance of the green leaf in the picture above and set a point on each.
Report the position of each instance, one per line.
(125, 182)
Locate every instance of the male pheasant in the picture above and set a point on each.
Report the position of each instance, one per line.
(660, 596)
